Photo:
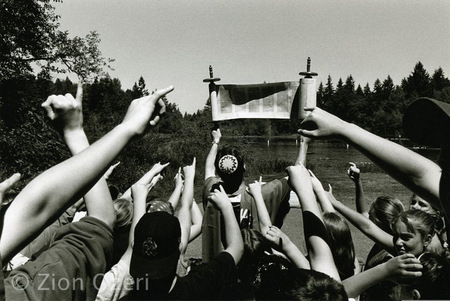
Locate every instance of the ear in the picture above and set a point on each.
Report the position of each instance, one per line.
(427, 240)
(416, 294)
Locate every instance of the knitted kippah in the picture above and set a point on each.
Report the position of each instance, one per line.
(228, 164)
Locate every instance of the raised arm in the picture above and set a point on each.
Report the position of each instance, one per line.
(210, 169)
(354, 174)
(321, 258)
(68, 117)
(233, 237)
(176, 193)
(263, 214)
(416, 172)
(197, 218)
(49, 194)
(396, 269)
(365, 225)
(283, 242)
(184, 212)
(321, 194)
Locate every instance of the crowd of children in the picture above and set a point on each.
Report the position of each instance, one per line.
(127, 247)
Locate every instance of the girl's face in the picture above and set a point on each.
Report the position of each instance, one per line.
(406, 241)
(418, 203)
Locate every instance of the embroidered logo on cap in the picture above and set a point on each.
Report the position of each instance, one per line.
(149, 247)
(228, 164)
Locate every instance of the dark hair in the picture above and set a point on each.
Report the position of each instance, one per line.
(299, 284)
(383, 210)
(341, 244)
(433, 284)
(231, 181)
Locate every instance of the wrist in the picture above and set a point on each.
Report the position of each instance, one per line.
(215, 142)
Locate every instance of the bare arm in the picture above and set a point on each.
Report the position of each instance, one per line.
(281, 240)
(184, 212)
(176, 193)
(321, 258)
(233, 237)
(196, 226)
(416, 172)
(263, 214)
(210, 169)
(321, 194)
(396, 269)
(49, 194)
(365, 225)
(360, 199)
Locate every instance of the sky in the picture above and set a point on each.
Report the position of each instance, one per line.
(173, 42)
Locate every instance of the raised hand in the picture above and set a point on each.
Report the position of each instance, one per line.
(216, 135)
(155, 170)
(7, 184)
(110, 170)
(320, 124)
(145, 111)
(277, 237)
(255, 188)
(65, 110)
(178, 178)
(353, 172)
(404, 267)
(219, 198)
(189, 170)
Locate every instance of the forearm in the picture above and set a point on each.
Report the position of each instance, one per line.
(197, 218)
(54, 190)
(366, 226)
(416, 172)
(184, 213)
(139, 206)
(233, 237)
(98, 199)
(295, 255)
(175, 197)
(209, 163)
(357, 284)
(323, 200)
(263, 214)
(360, 199)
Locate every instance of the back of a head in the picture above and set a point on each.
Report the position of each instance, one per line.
(124, 212)
(434, 282)
(155, 254)
(301, 285)
(341, 243)
(383, 210)
(229, 164)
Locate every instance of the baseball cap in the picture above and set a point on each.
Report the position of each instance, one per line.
(156, 246)
(427, 121)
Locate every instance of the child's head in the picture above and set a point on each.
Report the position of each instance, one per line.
(341, 243)
(418, 203)
(124, 213)
(383, 211)
(230, 167)
(299, 284)
(433, 284)
(412, 231)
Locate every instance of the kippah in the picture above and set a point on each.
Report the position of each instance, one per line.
(228, 164)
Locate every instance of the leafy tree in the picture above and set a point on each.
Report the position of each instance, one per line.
(30, 34)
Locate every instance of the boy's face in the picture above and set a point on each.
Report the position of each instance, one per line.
(406, 241)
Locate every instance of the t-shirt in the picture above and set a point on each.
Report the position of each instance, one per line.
(116, 283)
(275, 194)
(205, 281)
(71, 269)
